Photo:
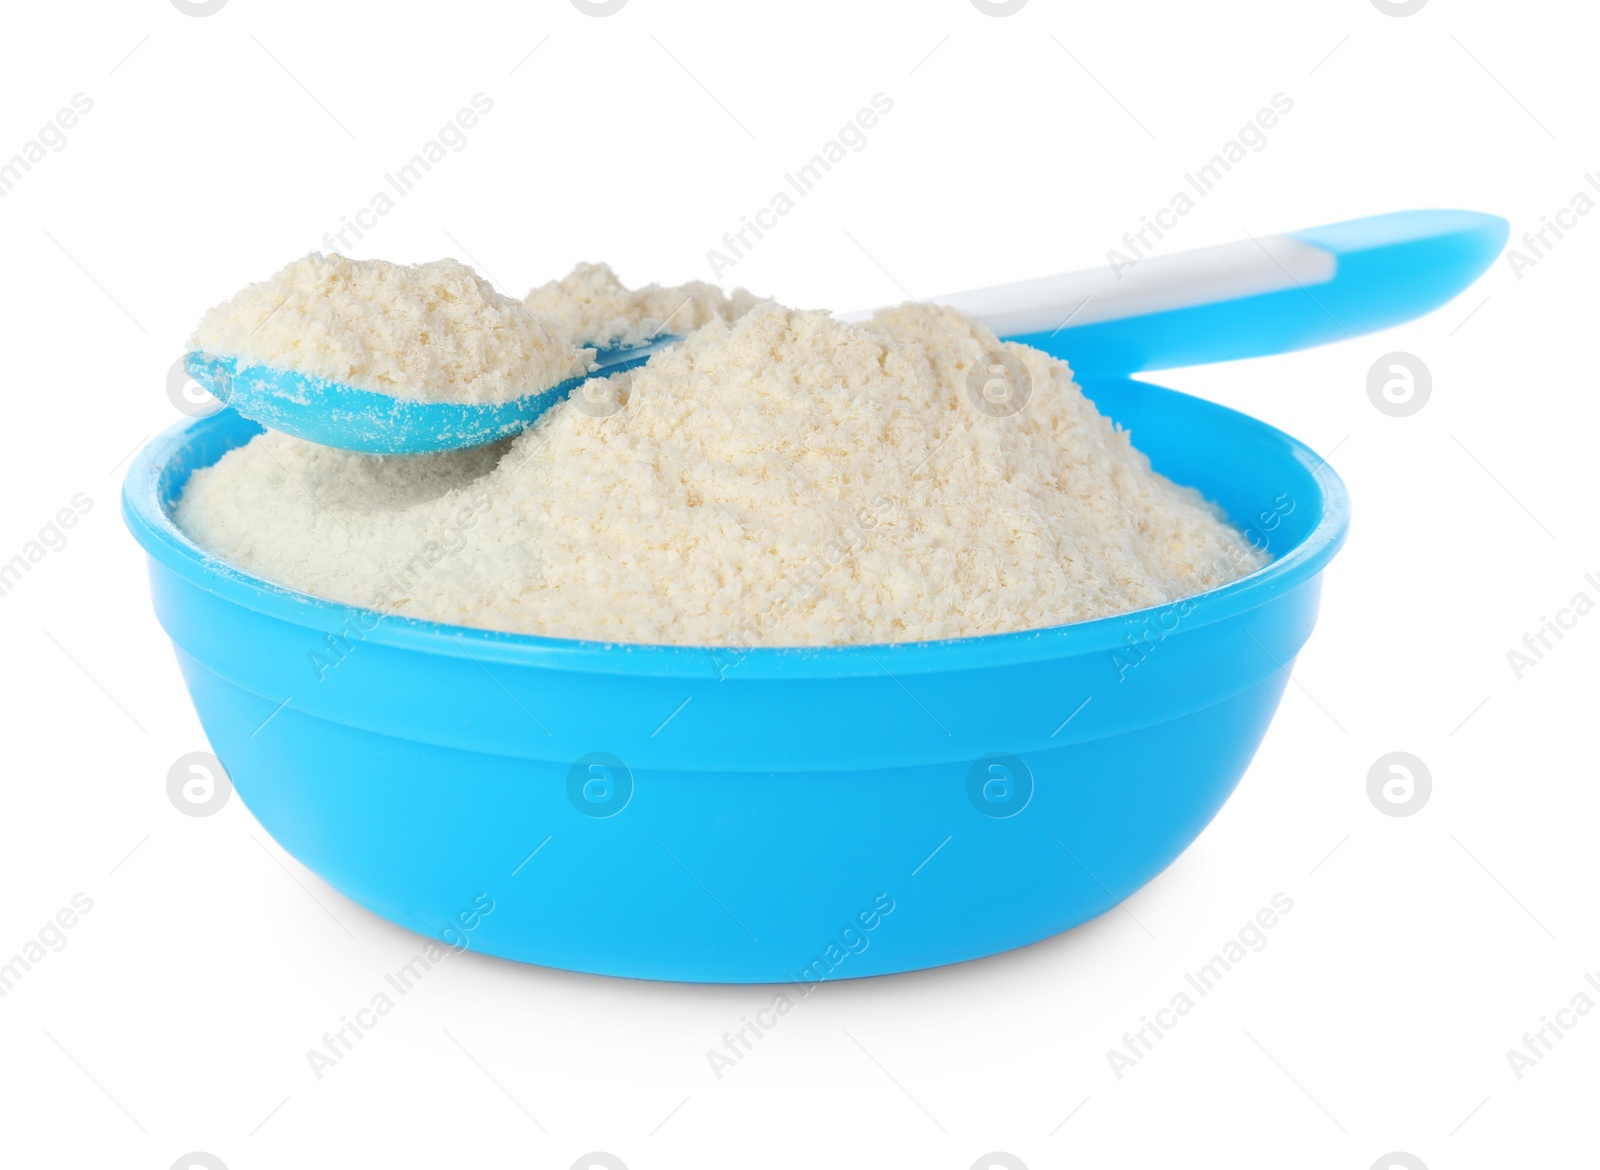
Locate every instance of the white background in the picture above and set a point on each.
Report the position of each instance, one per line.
(1419, 950)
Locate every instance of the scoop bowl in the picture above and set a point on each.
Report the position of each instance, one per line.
(758, 815)
(338, 415)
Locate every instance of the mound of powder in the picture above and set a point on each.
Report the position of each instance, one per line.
(783, 480)
(593, 307)
(433, 332)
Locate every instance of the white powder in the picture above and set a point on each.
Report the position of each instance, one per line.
(433, 332)
(595, 308)
(782, 480)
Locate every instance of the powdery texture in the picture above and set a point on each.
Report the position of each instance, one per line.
(784, 480)
(432, 332)
(593, 307)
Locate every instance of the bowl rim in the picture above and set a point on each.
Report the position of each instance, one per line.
(169, 546)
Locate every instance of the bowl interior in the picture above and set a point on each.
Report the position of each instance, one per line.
(1280, 494)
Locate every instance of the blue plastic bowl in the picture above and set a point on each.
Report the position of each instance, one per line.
(771, 816)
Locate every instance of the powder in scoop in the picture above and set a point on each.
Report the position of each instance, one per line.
(783, 480)
(434, 332)
(593, 307)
